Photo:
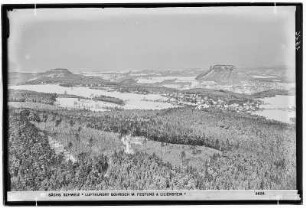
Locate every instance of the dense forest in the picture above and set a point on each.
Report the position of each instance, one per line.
(31, 96)
(109, 99)
(50, 98)
(213, 128)
(33, 165)
(255, 153)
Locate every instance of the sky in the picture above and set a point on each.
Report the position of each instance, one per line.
(123, 39)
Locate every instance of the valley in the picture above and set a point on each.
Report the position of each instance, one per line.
(151, 130)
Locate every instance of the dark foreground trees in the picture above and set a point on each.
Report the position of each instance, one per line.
(260, 155)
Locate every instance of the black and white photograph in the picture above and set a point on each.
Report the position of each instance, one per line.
(152, 102)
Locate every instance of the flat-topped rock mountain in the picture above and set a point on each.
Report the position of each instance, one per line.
(57, 76)
(217, 73)
(57, 73)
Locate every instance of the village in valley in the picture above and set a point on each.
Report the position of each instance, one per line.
(204, 102)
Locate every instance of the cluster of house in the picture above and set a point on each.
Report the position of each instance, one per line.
(205, 102)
